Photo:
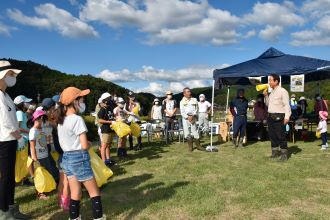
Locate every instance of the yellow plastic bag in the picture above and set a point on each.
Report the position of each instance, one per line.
(136, 130)
(101, 172)
(136, 110)
(55, 155)
(121, 129)
(21, 170)
(43, 180)
(318, 134)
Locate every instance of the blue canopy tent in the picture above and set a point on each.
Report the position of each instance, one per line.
(272, 61)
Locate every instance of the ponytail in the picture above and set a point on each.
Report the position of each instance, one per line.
(59, 114)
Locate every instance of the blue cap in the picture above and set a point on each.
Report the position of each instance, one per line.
(56, 98)
(47, 103)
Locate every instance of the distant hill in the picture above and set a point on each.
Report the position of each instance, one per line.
(39, 79)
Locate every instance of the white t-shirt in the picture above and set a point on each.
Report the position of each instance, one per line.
(69, 132)
(322, 126)
(40, 137)
(157, 112)
(203, 106)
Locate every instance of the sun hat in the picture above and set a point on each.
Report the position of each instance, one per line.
(323, 115)
(169, 93)
(56, 98)
(201, 95)
(99, 101)
(72, 93)
(5, 67)
(105, 96)
(20, 99)
(302, 98)
(293, 96)
(37, 114)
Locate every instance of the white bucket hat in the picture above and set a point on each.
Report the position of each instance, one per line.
(201, 95)
(5, 67)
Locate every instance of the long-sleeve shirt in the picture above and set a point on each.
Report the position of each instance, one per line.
(8, 120)
(278, 102)
(188, 107)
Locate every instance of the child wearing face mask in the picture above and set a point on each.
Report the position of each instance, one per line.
(76, 160)
(156, 110)
(121, 114)
(38, 144)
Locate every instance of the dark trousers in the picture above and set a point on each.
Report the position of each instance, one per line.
(239, 126)
(277, 134)
(130, 140)
(7, 173)
(324, 138)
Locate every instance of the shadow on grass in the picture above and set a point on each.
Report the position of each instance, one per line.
(151, 151)
(129, 197)
(293, 150)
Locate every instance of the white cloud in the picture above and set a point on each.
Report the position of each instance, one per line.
(161, 80)
(5, 30)
(270, 13)
(318, 36)
(316, 8)
(271, 33)
(169, 21)
(250, 34)
(74, 2)
(52, 18)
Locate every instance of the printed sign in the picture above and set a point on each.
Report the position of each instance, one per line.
(297, 83)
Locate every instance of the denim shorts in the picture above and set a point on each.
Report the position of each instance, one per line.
(77, 164)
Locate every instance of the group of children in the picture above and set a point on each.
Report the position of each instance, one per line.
(56, 126)
(109, 110)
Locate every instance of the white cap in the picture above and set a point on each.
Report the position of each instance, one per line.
(201, 95)
(99, 101)
(120, 100)
(104, 96)
(156, 100)
(20, 99)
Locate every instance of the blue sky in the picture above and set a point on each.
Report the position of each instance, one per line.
(156, 45)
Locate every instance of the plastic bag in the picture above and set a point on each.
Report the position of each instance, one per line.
(121, 129)
(43, 180)
(21, 170)
(318, 134)
(136, 130)
(101, 172)
(55, 155)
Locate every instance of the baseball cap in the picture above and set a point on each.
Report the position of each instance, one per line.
(105, 96)
(56, 98)
(72, 93)
(47, 103)
(20, 99)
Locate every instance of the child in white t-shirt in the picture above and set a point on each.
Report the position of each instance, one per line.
(323, 127)
(76, 160)
(39, 149)
(121, 114)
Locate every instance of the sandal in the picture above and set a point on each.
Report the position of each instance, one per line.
(42, 196)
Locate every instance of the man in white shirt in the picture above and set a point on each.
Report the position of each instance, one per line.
(189, 110)
(279, 113)
(204, 109)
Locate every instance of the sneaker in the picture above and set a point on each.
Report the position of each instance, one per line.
(326, 145)
(104, 217)
(16, 214)
(323, 147)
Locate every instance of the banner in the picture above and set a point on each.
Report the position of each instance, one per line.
(297, 83)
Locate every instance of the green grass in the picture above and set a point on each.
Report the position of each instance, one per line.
(170, 183)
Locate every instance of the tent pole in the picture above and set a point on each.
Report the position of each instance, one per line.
(227, 103)
(212, 113)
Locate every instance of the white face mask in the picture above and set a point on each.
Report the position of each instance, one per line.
(156, 103)
(10, 81)
(121, 105)
(201, 99)
(81, 107)
(169, 96)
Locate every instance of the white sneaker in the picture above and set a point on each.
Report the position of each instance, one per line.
(326, 145)
(323, 147)
(79, 218)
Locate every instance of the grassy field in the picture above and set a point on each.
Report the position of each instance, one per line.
(167, 182)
